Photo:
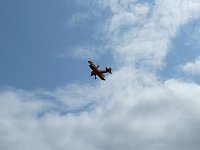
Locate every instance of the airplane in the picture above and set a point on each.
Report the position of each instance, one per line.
(96, 72)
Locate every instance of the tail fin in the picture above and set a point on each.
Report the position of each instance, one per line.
(109, 70)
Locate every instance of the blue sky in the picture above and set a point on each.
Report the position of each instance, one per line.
(48, 99)
(37, 39)
(33, 34)
(184, 48)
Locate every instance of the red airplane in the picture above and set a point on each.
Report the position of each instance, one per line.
(96, 71)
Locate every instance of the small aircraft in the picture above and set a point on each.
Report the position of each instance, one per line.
(96, 71)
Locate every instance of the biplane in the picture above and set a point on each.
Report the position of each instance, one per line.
(97, 72)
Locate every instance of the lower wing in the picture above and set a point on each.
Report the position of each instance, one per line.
(101, 76)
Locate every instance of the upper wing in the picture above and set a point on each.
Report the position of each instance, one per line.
(92, 66)
(91, 63)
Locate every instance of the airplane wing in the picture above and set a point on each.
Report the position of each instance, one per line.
(91, 63)
(101, 76)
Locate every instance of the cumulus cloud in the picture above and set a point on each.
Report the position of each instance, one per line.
(192, 67)
(141, 113)
(133, 109)
(150, 41)
(141, 31)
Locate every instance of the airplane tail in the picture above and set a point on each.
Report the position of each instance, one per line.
(109, 70)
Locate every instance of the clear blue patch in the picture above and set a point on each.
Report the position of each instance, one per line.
(185, 48)
(33, 33)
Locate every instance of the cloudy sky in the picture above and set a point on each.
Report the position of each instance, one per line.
(49, 101)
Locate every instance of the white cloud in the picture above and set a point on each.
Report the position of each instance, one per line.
(133, 109)
(192, 67)
(141, 113)
(150, 41)
(144, 33)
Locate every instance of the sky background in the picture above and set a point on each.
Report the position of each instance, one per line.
(48, 99)
(33, 36)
